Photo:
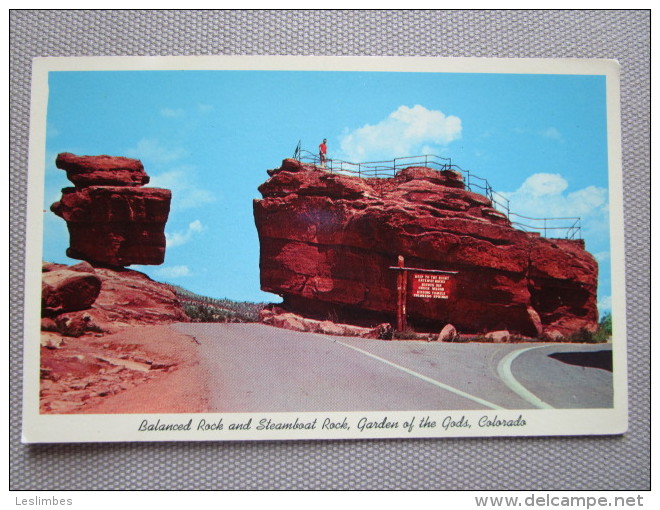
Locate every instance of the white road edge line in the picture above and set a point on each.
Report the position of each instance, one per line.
(504, 371)
(424, 378)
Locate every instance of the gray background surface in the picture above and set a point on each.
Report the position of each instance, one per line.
(594, 463)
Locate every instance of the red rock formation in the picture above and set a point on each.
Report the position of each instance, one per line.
(328, 241)
(122, 298)
(86, 171)
(111, 219)
(63, 290)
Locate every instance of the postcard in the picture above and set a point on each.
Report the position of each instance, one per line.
(282, 248)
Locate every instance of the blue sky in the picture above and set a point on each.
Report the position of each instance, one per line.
(210, 136)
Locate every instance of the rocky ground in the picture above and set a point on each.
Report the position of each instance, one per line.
(144, 369)
(106, 344)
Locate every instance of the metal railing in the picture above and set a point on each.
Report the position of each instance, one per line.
(542, 226)
(373, 169)
(472, 182)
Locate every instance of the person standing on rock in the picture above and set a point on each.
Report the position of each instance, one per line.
(323, 151)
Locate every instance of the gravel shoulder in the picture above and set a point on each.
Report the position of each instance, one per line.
(143, 369)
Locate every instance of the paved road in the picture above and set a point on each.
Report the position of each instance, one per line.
(258, 368)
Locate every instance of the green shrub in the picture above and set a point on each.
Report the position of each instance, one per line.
(582, 336)
(601, 335)
(204, 309)
(604, 332)
(406, 334)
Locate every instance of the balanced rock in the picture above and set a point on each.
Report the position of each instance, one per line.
(110, 218)
(86, 171)
(328, 242)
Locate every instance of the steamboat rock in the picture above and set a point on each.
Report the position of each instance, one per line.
(328, 242)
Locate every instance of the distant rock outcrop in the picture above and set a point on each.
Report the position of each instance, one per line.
(111, 219)
(328, 242)
(287, 320)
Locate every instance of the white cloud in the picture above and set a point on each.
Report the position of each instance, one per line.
(180, 238)
(172, 112)
(543, 184)
(180, 180)
(152, 150)
(205, 108)
(553, 134)
(546, 196)
(185, 192)
(405, 132)
(543, 195)
(589, 199)
(172, 272)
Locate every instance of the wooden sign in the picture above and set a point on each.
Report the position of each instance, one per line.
(426, 283)
(430, 286)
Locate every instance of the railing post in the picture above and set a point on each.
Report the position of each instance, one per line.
(401, 281)
(579, 228)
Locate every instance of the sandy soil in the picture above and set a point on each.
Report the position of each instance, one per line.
(143, 369)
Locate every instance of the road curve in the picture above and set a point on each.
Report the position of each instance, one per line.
(259, 368)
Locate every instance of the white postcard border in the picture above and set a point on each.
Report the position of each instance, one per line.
(67, 428)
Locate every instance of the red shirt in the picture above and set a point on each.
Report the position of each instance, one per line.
(323, 149)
